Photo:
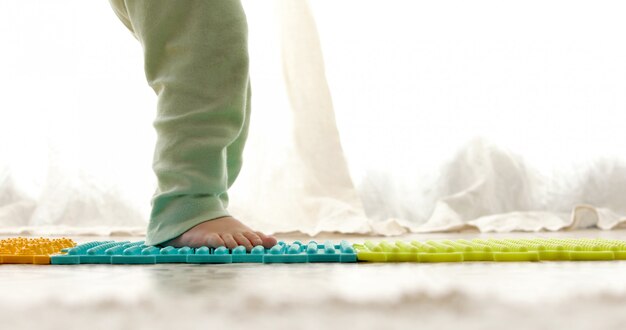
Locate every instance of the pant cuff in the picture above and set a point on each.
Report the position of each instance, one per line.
(180, 214)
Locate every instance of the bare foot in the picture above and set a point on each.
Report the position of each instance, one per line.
(225, 231)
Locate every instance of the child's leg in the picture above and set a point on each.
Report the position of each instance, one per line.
(196, 60)
(234, 151)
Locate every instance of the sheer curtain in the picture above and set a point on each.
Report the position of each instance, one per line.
(368, 117)
(501, 116)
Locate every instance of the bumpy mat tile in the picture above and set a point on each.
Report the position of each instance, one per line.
(537, 249)
(112, 252)
(31, 250)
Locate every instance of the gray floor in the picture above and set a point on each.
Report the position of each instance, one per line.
(550, 295)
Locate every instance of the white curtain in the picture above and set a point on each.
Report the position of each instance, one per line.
(368, 116)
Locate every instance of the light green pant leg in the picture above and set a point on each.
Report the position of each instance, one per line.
(196, 60)
(234, 151)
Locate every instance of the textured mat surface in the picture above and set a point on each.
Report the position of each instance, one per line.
(64, 251)
(519, 249)
(22, 250)
(125, 252)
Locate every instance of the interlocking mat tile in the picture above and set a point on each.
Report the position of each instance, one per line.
(492, 250)
(112, 252)
(31, 250)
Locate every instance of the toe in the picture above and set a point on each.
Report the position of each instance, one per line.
(268, 241)
(214, 240)
(253, 238)
(242, 240)
(229, 241)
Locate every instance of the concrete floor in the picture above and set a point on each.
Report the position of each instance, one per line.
(550, 295)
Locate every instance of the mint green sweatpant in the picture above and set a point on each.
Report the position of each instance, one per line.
(196, 60)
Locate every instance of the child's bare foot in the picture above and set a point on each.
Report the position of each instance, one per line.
(226, 231)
